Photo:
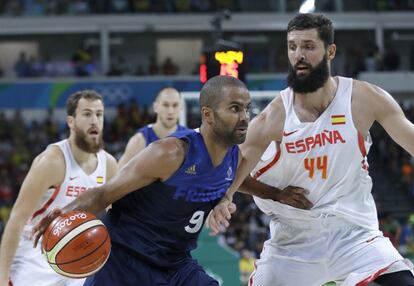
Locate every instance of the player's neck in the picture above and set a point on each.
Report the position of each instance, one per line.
(216, 148)
(320, 99)
(161, 130)
(87, 161)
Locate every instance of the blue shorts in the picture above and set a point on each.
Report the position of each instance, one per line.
(123, 269)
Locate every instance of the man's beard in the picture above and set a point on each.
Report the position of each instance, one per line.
(311, 82)
(84, 145)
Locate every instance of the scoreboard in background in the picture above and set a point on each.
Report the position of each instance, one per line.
(225, 61)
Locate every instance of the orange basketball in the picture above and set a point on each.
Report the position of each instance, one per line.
(76, 244)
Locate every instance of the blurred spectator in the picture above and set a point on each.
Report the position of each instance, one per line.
(120, 6)
(78, 7)
(81, 7)
(4, 128)
(119, 67)
(201, 5)
(22, 67)
(141, 5)
(82, 61)
(49, 67)
(139, 70)
(182, 5)
(169, 67)
(355, 62)
(225, 4)
(370, 64)
(36, 67)
(246, 266)
(13, 7)
(407, 237)
(338, 65)
(153, 66)
(98, 6)
(378, 58)
(391, 228)
(406, 173)
(6, 193)
(391, 60)
(412, 58)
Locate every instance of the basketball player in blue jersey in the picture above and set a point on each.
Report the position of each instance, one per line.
(161, 197)
(319, 127)
(167, 106)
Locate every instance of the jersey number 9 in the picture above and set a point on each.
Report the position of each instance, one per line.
(196, 222)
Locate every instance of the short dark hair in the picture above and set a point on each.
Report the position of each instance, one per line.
(73, 99)
(319, 22)
(211, 93)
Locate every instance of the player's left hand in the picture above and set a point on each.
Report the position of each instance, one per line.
(294, 196)
(42, 225)
(220, 216)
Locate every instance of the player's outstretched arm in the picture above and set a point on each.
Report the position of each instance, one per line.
(264, 128)
(135, 144)
(48, 169)
(156, 162)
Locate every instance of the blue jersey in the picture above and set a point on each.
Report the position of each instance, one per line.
(150, 135)
(160, 223)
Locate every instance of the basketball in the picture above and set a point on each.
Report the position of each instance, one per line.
(76, 244)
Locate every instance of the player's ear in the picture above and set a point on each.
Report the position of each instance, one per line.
(331, 51)
(155, 106)
(207, 114)
(70, 121)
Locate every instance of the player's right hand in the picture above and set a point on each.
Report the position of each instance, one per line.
(42, 225)
(295, 197)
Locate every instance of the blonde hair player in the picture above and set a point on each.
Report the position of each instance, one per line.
(57, 176)
(320, 129)
(167, 106)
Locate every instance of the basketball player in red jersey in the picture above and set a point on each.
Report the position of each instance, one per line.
(57, 176)
(320, 129)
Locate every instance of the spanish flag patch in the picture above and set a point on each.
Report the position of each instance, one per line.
(338, 119)
(99, 179)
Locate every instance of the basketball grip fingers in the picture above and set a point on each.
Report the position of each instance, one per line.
(42, 225)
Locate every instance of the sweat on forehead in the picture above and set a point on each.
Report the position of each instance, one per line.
(212, 91)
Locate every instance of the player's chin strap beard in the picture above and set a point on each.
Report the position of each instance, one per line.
(317, 77)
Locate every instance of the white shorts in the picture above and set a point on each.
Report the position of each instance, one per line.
(30, 268)
(316, 251)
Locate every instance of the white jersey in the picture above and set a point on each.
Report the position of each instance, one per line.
(75, 183)
(326, 157)
(29, 267)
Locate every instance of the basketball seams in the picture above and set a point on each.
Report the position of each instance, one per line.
(81, 275)
(73, 275)
(51, 254)
(89, 253)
